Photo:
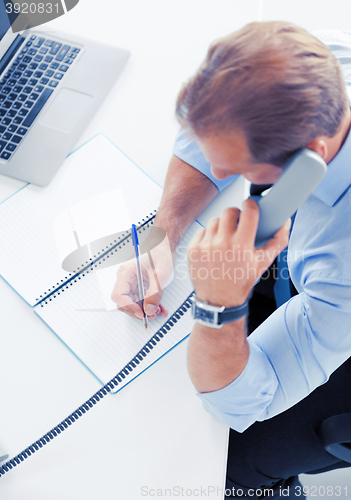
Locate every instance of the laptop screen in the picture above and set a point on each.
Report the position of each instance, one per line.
(4, 20)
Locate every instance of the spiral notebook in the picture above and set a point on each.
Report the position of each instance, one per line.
(73, 305)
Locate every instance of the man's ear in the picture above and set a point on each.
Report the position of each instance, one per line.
(319, 146)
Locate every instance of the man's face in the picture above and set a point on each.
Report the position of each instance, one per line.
(229, 154)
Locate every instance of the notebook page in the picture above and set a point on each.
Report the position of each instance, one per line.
(29, 258)
(105, 341)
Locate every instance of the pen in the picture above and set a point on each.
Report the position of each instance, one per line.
(140, 281)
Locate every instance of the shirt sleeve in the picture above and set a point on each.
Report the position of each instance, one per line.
(187, 149)
(292, 353)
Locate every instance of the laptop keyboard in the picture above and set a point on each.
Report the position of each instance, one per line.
(27, 85)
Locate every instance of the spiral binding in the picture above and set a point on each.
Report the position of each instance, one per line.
(89, 266)
(101, 393)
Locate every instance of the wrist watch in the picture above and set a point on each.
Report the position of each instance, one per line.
(214, 316)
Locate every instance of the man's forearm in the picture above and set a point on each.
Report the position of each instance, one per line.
(217, 357)
(187, 192)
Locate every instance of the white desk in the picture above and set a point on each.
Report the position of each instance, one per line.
(154, 433)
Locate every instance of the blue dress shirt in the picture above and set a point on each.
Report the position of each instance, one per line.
(300, 345)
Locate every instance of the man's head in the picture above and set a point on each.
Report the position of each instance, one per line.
(273, 86)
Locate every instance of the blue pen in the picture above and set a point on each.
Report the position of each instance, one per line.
(140, 281)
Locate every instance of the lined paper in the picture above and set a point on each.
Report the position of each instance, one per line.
(29, 259)
(105, 341)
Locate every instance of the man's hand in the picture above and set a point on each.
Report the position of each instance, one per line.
(223, 261)
(155, 273)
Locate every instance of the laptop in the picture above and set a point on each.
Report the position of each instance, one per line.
(51, 84)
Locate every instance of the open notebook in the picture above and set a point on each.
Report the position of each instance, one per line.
(74, 305)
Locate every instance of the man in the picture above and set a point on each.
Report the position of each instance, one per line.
(262, 94)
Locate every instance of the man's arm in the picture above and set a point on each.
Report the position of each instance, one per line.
(187, 192)
(224, 266)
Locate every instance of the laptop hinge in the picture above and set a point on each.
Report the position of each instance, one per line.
(10, 52)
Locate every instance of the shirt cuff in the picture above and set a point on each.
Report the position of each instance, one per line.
(246, 399)
(187, 149)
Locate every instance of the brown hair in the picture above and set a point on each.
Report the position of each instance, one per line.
(273, 80)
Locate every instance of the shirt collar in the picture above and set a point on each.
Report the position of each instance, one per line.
(338, 176)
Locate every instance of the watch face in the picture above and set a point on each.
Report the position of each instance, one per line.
(204, 315)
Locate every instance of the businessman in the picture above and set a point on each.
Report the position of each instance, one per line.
(263, 93)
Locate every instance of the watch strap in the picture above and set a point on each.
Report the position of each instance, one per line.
(233, 313)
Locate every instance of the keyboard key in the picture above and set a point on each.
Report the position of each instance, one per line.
(7, 136)
(33, 37)
(22, 130)
(32, 82)
(17, 139)
(38, 88)
(58, 76)
(62, 54)
(39, 41)
(43, 66)
(28, 74)
(38, 74)
(22, 67)
(28, 104)
(12, 128)
(15, 63)
(72, 56)
(68, 61)
(2, 98)
(27, 59)
(17, 105)
(55, 48)
(7, 90)
(63, 67)
(18, 89)
(43, 50)
(2, 129)
(23, 81)
(11, 113)
(44, 81)
(11, 147)
(33, 66)
(5, 155)
(2, 112)
(17, 74)
(32, 52)
(6, 121)
(53, 83)
(49, 73)
(48, 43)
(17, 120)
(48, 59)
(54, 65)
(6, 105)
(34, 96)
(27, 90)
(36, 110)
(38, 58)
(22, 112)
(22, 97)
(12, 97)
(11, 82)
(76, 50)
(29, 44)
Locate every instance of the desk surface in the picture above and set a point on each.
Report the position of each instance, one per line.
(154, 433)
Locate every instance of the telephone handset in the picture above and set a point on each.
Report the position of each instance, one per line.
(301, 175)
